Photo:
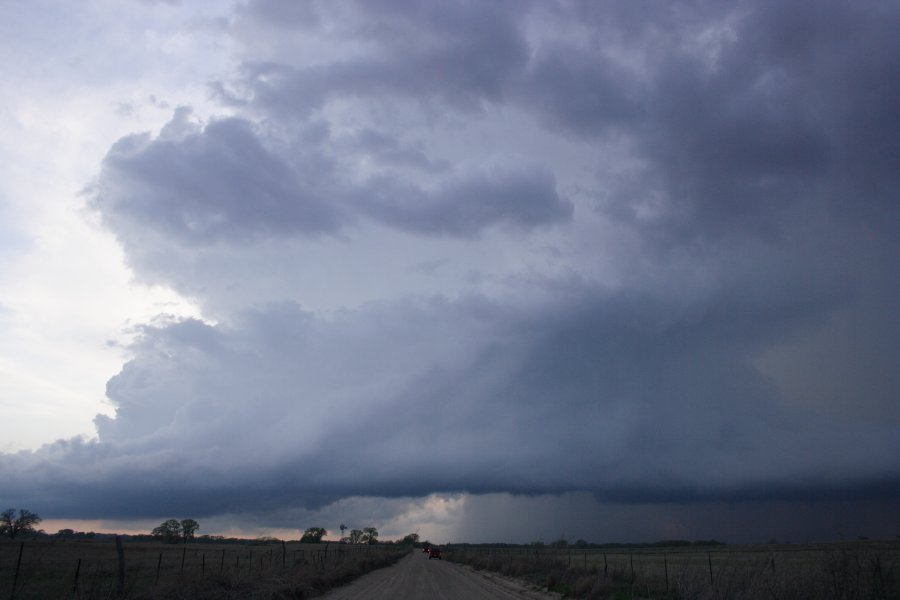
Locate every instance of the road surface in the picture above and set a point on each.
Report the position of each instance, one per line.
(415, 577)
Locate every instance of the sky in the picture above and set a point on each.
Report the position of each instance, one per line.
(489, 271)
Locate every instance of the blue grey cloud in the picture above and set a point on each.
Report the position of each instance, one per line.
(667, 235)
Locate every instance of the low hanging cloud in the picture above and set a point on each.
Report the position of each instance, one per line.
(683, 289)
(274, 409)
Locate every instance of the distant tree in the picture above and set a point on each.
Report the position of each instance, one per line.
(12, 525)
(343, 528)
(188, 528)
(313, 535)
(168, 531)
(370, 535)
(411, 538)
(560, 543)
(580, 543)
(356, 536)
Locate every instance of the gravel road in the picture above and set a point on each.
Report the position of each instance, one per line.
(415, 577)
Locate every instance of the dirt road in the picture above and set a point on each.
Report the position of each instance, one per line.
(415, 577)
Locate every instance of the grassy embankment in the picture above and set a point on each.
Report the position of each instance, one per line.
(89, 569)
(838, 571)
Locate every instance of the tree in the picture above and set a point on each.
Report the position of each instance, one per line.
(188, 528)
(343, 528)
(168, 531)
(370, 535)
(313, 535)
(13, 525)
(356, 536)
(411, 539)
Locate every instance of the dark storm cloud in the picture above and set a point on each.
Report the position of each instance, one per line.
(458, 54)
(230, 182)
(585, 397)
(203, 186)
(741, 349)
(519, 196)
(773, 105)
(388, 150)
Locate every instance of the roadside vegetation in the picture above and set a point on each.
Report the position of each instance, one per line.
(839, 571)
(172, 563)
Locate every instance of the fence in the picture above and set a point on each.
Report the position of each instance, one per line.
(110, 568)
(847, 569)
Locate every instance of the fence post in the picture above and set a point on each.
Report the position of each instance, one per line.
(666, 565)
(183, 554)
(283, 554)
(605, 565)
(631, 558)
(203, 564)
(250, 563)
(75, 584)
(709, 561)
(158, 565)
(120, 588)
(18, 564)
(222, 562)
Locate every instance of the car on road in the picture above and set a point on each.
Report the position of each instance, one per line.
(434, 553)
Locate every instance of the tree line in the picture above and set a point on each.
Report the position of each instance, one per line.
(15, 523)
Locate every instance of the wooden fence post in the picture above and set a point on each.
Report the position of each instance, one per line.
(158, 565)
(709, 561)
(283, 554)
(18, 564)
(666, 565)
(605, 565)
(120, 588)
(222, 562)
(183, 554)
(75, 584)
(203, 564)
(250, 563)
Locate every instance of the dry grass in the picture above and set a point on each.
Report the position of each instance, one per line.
(869, 571)
(89, 569)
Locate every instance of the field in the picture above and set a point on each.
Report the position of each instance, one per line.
(89, 569)
(838, 571)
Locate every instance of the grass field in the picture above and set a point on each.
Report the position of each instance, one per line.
(839, 571)
(89, 569)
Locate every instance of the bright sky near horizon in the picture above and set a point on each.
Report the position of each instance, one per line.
(503, 270)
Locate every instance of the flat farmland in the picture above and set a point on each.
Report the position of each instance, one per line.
(43, 568)
(815, 571)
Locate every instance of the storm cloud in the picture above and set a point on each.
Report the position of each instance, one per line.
(663, 259)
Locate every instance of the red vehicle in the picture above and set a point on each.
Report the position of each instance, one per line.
(434, 553)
